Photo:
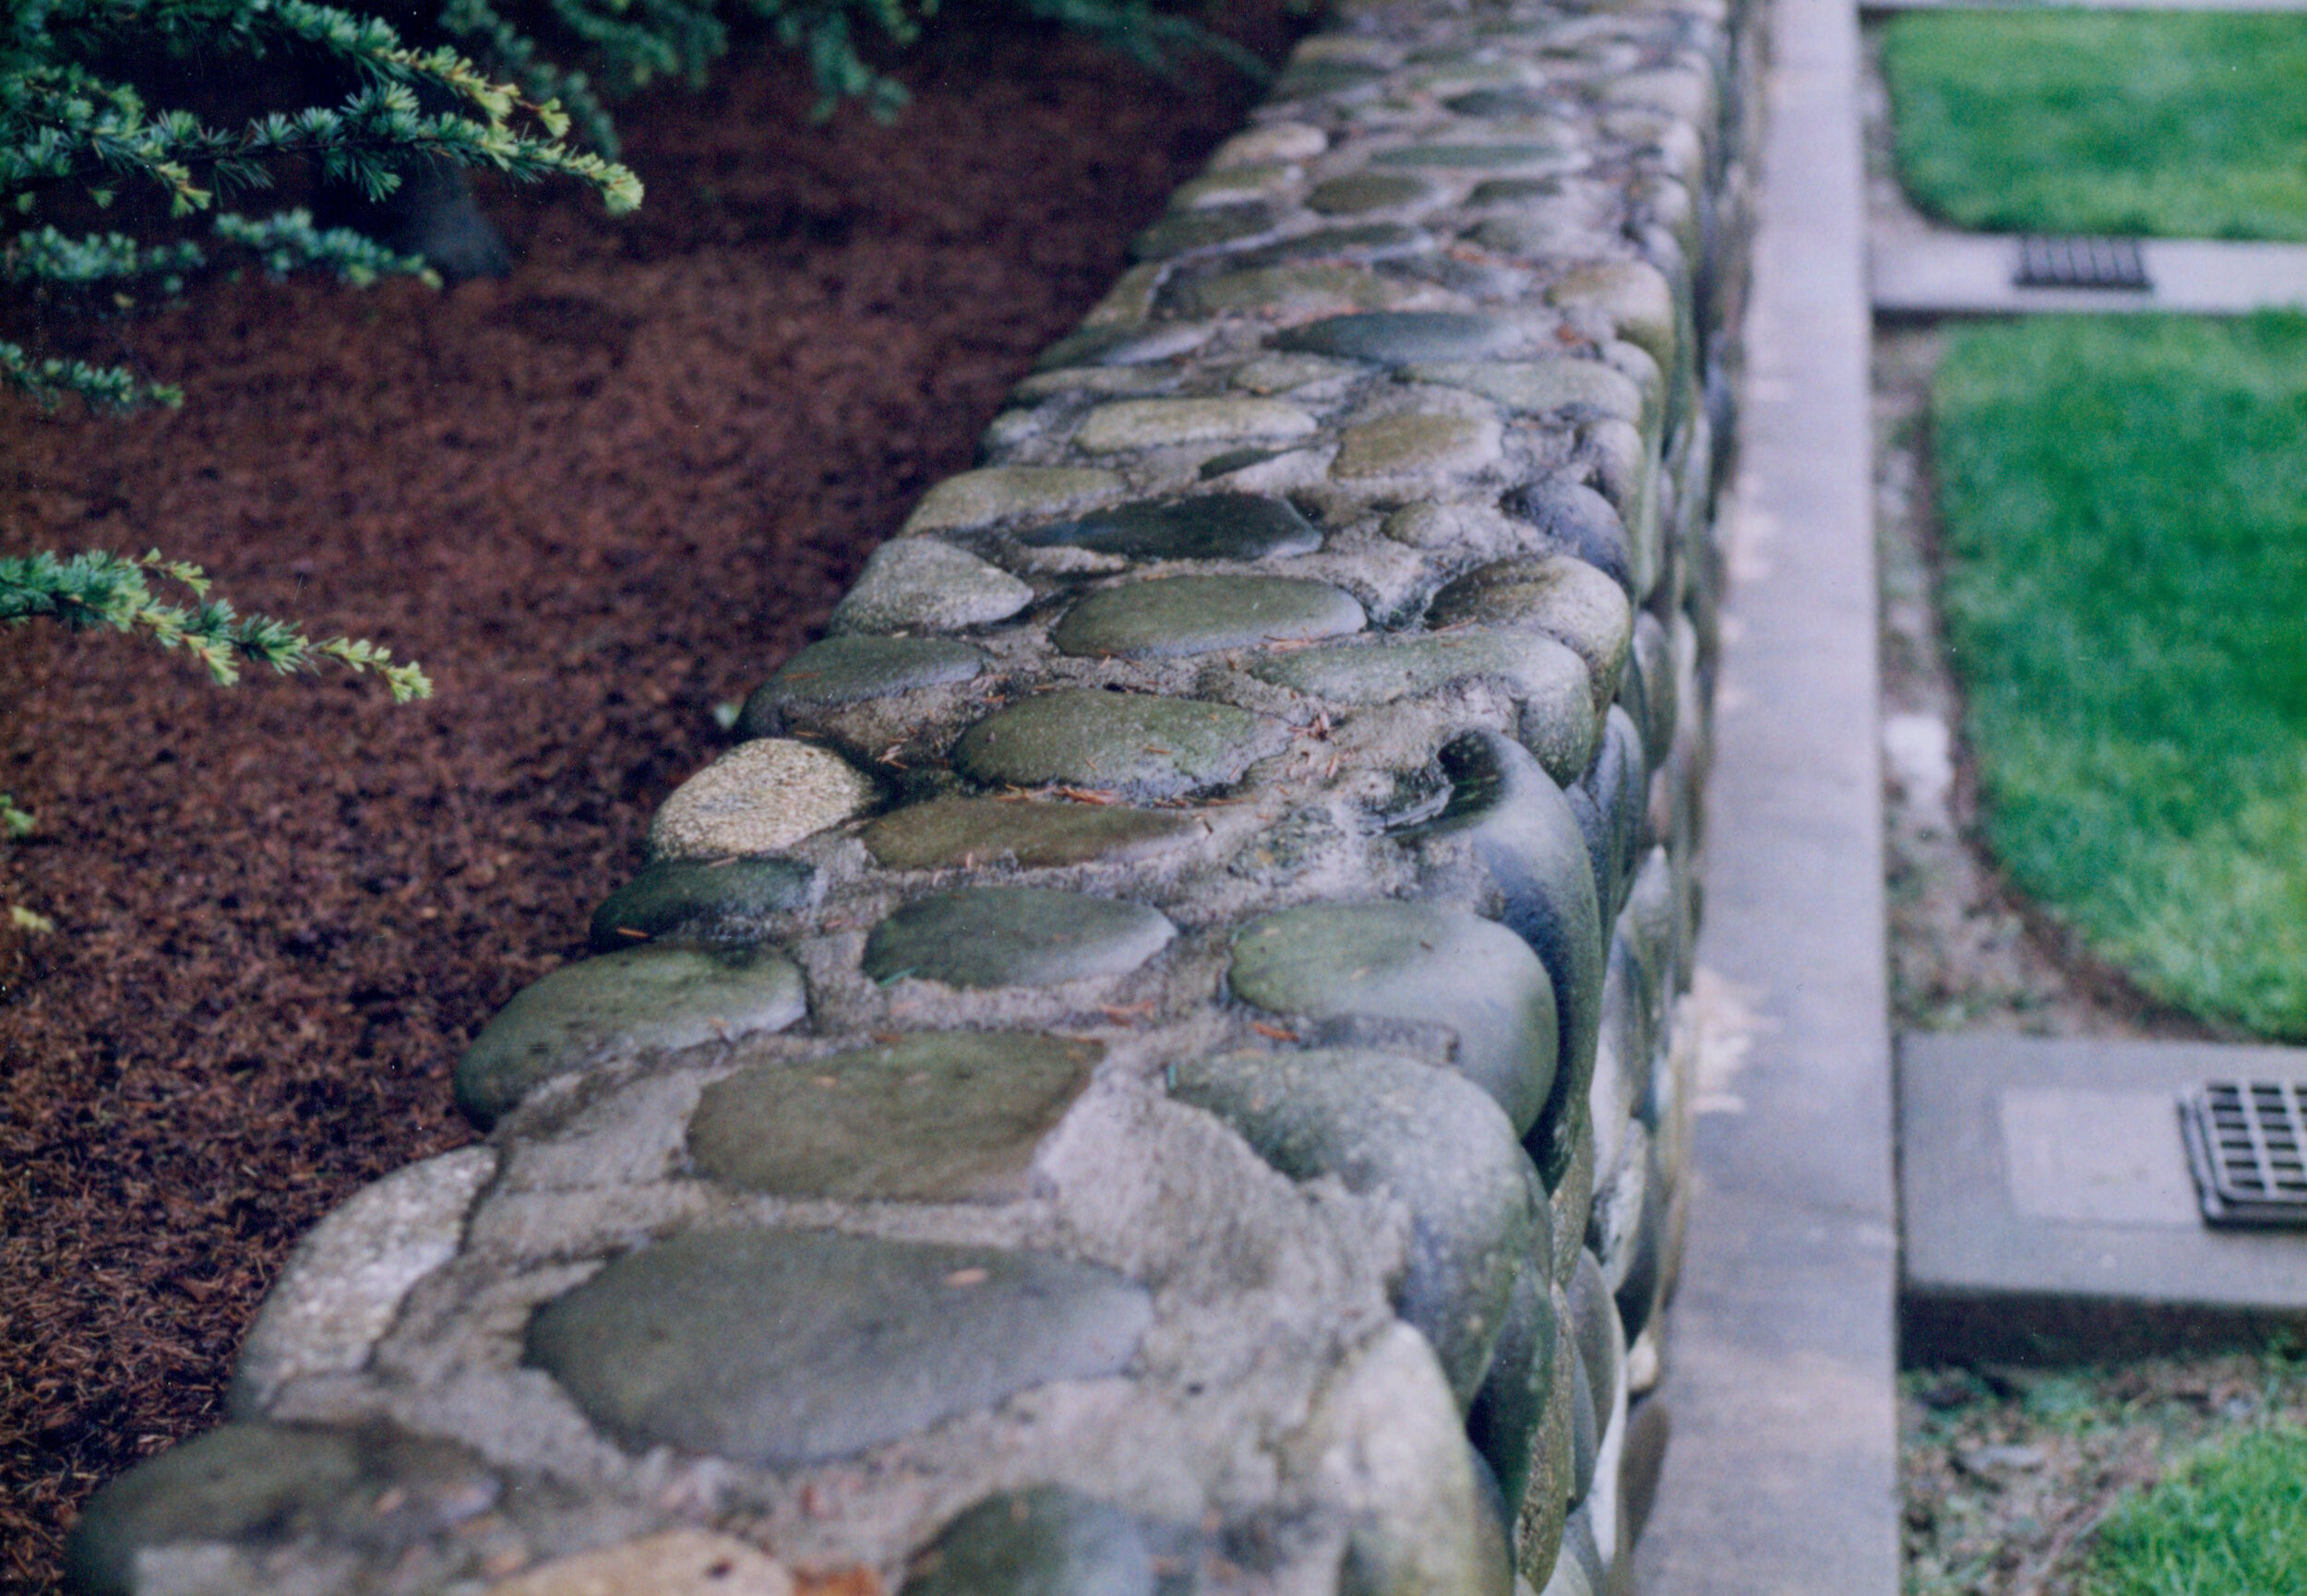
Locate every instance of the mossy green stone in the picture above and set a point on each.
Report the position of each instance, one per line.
(701, 901)
(1458, 156)
(950, 1116)
(851, 670)
(1044, 1541)
(782, 1348)
(1363, 191)
(1370, 241)
(976, 831)
(1562, 596)
(1426, 1136)
(1014, 936)
(1514, 190)
(1510, 1407)
(1207, 527)
(1179, 615)
(1400, 336)
(1539, 386)
(1418, 963)
(1502, 102)
(1130, 743)
(1182, 231)
(620, 1004)
(1308, 79)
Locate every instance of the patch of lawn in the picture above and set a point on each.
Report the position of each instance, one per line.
(2125, 512)
(2231, 1522)
(2173, 125)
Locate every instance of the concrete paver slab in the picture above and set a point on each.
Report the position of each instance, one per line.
(2048, 1208)
(1783, 1476)
(1918, 272)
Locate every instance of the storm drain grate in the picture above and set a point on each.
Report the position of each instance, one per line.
(2101, 263)
(2247, 1143)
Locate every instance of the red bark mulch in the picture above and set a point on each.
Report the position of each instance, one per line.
(595, 500)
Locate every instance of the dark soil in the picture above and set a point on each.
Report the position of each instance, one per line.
(595, 501)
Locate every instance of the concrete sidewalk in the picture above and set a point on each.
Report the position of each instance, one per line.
(1918, 271)
(1782, 1480)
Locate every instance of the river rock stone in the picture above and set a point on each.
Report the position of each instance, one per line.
(950, 1116)
(1368, 242)
(1122, 345)
(707, 901)
(1014, 936)
(1223, 526)
(1511, 1405)
(759, 797)
(782, 1348)
(1291, 292)
(272, 1482)
(1525, 836)
(1044, 1541)
(1179, 615)
(1418, 963)
(1416, 445)
(1562, 596)
(920, 584)
(1608, 803)
(980, 498)
(1459, 156)
(1539, 386)
(1274, 142)
(1167, 423)
(1182, 232)
(618, 1005)
(1431, 1140)
(981, 831)
(1130, 743)
(1594, 1324)
(1580, 522)
(1553, 1461)
(676, 1563)
(1361, 191)
(1543, 675)
(1402, 337)
(1634, 295)
(851, 669)
(1490, 102)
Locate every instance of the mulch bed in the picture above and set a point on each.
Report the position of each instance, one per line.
(594, 500)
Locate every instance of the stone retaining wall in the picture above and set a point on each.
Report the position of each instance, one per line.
(1153, 1066)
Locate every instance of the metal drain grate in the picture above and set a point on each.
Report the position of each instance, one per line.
(2097, 263)
(2247, 1143)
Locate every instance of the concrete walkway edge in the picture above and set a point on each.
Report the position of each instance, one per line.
(1782, 1480)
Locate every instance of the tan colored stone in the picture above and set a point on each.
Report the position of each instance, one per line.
(1165, 423)
(676, 1563)
(759, 797)
(1633, 293)
(1399, 446)
(1274, 142)
(980, 498)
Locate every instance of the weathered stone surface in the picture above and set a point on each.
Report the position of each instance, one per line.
(1550, 681)
(1184, 231)
(1511, 1405)
(1607, 801)
(1634, 295)
(708, 901)
(1179, 615)
(273, 1482)
(1014, 936)
(1362, 191)
(979, 831)
(1274, 142)
(1292, 290)
(1462, 156)
(1207, 527)
(1580, 522)
(1524, 833)
(1419, 444)
(1401, 338)
(950, 1116)
(1414, 962)
(1539, 386)
(1651, 669)
(1043, 1542)
(1553, 1464)
(1370, 241)
(1129, 742)
(759, 797)
(790, 1348)
(618, 1005)
(920, 584)
(1502, 102)
(851, 670)
(1426, 1137)
(1166, 423)
(1237, 184)
(1286, 372)
(1117, 346)
(980, 498)
(1594, 1324)
(676, 1563)
(1560, 596)
(347, 1278)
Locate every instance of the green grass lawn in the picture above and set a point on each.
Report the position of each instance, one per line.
(2231, 1522)
(2123, 503)
(2190, 126)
